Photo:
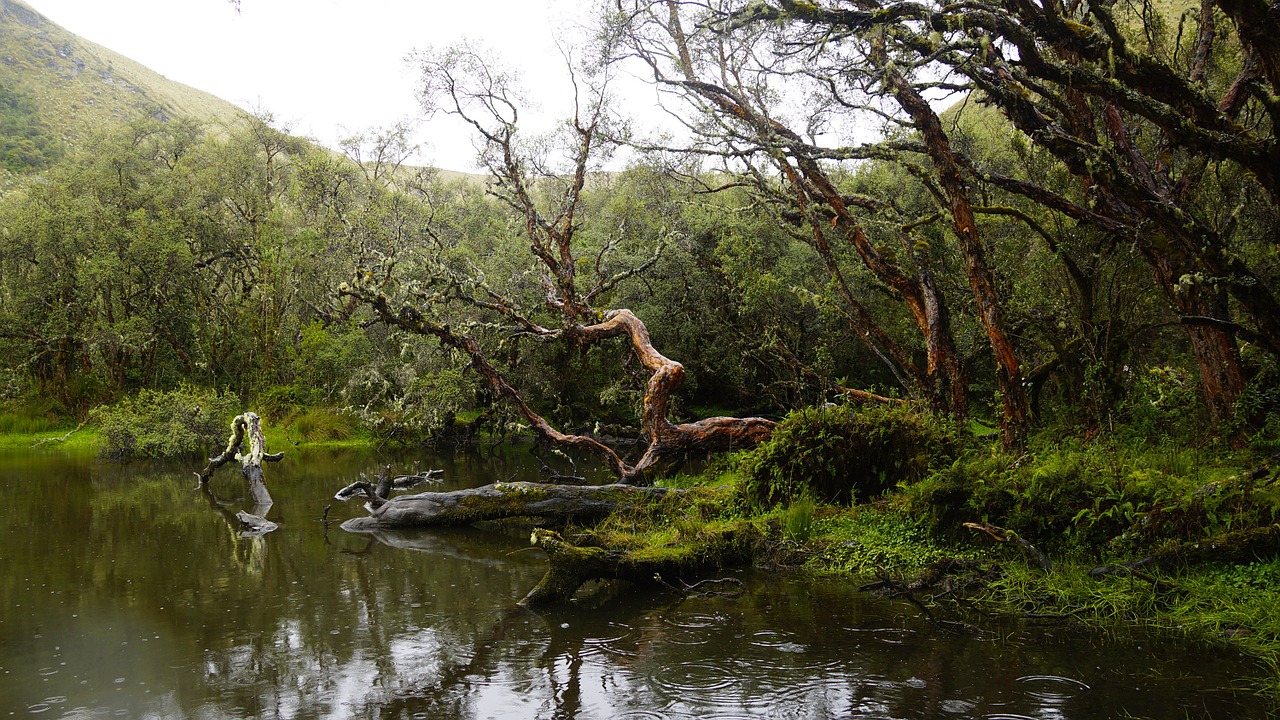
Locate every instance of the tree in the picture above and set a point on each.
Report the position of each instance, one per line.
(1168, 133)
(99, 280)
(426, 295)
(750, 123)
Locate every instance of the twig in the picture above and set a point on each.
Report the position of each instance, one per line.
(1000, 534)
(739, 589)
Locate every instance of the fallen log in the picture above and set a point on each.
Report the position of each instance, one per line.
(1237, 546)
(505, 500)
(569, 566)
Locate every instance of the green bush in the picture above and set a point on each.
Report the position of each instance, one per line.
(844, 454)
(278, 402)
(1163, 405)
(1044, 500)
(179, 423)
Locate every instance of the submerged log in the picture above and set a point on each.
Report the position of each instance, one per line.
(570, 566)
(254, 525)
(504, 500)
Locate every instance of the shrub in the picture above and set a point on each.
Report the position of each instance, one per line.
(843, 454)
(178, 423)
(1164, 404)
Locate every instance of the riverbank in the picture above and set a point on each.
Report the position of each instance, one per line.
(1109, 535)
(82, 441)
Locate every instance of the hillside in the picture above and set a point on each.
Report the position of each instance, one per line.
(78, 86)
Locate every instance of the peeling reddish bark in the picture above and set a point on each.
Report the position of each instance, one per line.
(1013, 396)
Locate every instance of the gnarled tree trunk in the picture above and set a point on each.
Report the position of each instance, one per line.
(250, 425)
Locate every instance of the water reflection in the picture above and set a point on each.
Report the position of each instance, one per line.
(127, 593)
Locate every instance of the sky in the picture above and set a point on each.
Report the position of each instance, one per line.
(328, 69)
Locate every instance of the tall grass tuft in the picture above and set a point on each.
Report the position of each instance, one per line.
(320, 425)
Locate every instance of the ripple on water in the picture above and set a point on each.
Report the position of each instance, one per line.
(804, 700)
(695, 629)
(1052, 688)
(696, 678)
(885, 635)
(957, 707)
(778, 656)
(619, 643)
(782, 642)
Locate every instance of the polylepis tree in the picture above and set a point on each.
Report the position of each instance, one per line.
(1164, 116)
(754, 120)
(541, 183)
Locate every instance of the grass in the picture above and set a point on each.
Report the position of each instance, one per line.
(84, 441)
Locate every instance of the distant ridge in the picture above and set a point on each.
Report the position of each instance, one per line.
(80, 87)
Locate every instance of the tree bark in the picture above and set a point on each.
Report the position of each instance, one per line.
(1013, 396)
(666, 440)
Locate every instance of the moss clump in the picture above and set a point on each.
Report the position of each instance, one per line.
(843, 454)
(1096, 501)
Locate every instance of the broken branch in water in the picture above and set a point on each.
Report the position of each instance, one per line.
(379, 494)
(1000, 534)
(245, 425)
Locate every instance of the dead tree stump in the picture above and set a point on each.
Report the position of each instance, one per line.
(250, 425)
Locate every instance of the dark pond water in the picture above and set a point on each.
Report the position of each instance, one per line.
(124, 592)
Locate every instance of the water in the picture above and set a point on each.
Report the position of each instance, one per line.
(125, 592)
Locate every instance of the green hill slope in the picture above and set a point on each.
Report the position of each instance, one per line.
(78, 86)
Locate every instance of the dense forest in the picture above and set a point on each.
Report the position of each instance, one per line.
(1084, 237)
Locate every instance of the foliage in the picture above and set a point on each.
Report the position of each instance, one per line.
(185, 422)
(1163, 406)
(798, 520)
(869, 538)
(1095, 499)
(843, 454)
(317, 424)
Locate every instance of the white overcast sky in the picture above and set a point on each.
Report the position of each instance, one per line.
(330, 68)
